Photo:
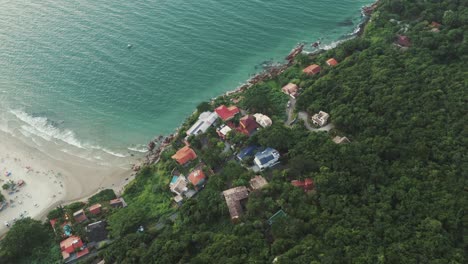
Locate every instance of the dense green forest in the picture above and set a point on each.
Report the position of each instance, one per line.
(396, 194)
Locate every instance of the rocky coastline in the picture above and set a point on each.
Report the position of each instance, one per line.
(160, 143)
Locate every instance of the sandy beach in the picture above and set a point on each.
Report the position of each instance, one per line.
(48, 180)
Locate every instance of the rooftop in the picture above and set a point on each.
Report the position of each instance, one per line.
(312, 69)
(184, 155)
(197, 177)
(332, 62)
(258, 182)
(226, 113)
(233, 197)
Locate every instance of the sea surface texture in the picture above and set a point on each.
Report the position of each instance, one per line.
(100, 78)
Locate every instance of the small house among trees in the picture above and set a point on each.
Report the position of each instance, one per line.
(321, 118)
(312, 69)
(290, 89)
(233, 197)
(258, 182)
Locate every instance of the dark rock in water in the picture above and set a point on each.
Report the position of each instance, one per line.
(151, 145)
(346, 23)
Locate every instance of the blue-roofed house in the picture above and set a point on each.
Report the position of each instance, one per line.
(246, 152)
(267, 158)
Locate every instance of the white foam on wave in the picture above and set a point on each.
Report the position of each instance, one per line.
(141, 149)
(41, 127)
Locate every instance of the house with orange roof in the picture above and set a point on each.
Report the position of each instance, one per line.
(290, 89)
(197, 178)
(312, 69)
(184, 155)
(226, 113)
(72, 249)
(332, 62)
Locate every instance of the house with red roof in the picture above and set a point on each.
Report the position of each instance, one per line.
(403, 41)
(226, 113)
(72, 249)
(80, 216)
(95, 209)
(332, 62)
(184, 155)
(312, 69)
(197, 178)
(307, 184)
(247, 125)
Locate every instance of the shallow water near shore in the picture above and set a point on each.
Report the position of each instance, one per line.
(69, 80)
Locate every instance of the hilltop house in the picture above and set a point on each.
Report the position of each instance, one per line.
(234, 197)
(257, 182)
(262, 120)
(205, 120)
(80, 216)
(72, 249)
(247, 125)
(226, 113)
(95, 209)
(340, 140)
(184, 155)
(332, 62)
(312, 69)
(290, 89)
(320, 119)
(197, 178)
(267, 158)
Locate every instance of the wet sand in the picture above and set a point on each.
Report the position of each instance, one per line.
(49, 181)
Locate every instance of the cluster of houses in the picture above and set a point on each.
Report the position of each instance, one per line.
(186, 187)
(72, 246)
(291, 89)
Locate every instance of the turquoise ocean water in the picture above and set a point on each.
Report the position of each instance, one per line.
(68, 80)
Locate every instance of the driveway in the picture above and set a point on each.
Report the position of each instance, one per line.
(290, 111)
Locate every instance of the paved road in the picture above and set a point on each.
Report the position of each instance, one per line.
(290, 111)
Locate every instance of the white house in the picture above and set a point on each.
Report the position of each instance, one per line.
(320, 119)
(267, 158)
(178, 185)
(205, 120)
(262, 120)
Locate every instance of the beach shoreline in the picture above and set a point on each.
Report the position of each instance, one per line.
(49, 181)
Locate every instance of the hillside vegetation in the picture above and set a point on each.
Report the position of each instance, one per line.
(396, 194)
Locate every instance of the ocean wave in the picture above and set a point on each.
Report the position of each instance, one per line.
(42, 127)
(120, 155)
(142, 149)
